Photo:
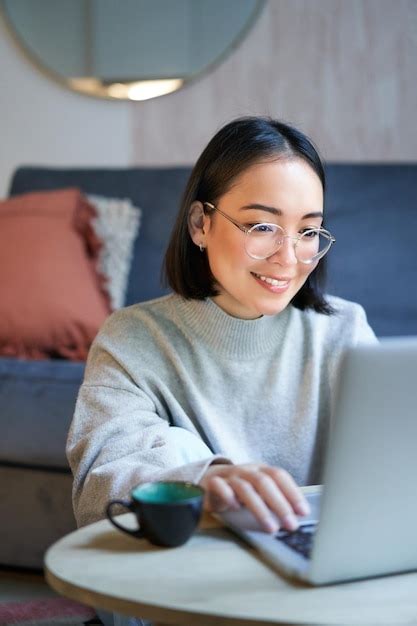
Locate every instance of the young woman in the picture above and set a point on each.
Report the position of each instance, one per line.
(229, 381)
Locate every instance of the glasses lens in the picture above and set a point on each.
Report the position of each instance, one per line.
(263, 240)
(312, 245)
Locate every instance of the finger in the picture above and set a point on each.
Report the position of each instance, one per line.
(220, 496)
(274, 486)
(248, 496)
(290, 489)
(275, 499)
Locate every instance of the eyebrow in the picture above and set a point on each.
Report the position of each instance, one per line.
(275, 211)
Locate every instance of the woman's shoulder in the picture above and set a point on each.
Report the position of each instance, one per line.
(140, 312)
(348, 321)
(139, 321)
(345, 309)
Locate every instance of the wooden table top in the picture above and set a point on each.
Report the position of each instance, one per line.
(213, 580)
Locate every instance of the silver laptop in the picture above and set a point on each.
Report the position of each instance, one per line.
(364, 519)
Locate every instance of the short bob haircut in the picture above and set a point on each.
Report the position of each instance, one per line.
(235, 147)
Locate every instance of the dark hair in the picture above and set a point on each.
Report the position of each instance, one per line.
(232, 150)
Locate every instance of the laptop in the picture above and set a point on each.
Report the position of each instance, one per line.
(363, 520)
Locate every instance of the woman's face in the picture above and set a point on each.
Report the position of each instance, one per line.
(286, 192)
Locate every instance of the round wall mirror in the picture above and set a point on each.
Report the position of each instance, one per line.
(134, 49)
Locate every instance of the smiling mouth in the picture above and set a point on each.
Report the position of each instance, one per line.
(272, 281)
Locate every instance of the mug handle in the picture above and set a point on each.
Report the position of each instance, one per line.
(138, 533)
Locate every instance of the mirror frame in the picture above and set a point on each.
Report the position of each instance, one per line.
(146, 89)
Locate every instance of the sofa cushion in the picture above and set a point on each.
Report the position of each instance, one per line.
(371, 211)
(156, 190)
(37, 400)
(53, 299)
(116, 224)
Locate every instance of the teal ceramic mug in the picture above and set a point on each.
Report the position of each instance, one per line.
(167, 512)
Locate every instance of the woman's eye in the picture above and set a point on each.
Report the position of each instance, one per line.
(261, 228)
(307, 233)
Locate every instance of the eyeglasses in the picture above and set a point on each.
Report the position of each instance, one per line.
(263, 240)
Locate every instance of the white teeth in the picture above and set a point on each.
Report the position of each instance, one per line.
(273, 281)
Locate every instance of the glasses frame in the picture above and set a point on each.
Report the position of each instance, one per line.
(296, 239)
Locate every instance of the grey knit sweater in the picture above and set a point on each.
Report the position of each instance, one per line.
(252, 390)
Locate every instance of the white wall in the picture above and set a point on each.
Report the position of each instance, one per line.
(43, 123)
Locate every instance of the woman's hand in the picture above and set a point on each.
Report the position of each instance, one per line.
(259, 487)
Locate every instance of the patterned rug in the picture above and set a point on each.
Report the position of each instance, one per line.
(46, 612)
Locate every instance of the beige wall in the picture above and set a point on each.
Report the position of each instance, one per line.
(343, 70)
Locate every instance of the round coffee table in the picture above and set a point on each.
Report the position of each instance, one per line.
(213, 580)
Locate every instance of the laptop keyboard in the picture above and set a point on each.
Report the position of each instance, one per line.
(300, 540)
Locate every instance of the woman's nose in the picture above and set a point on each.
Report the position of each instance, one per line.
(285, 255)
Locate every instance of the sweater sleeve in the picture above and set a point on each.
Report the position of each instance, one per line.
(117, 440)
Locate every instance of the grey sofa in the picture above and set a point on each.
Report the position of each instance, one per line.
(372, 211)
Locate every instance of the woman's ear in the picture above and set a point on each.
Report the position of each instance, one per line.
(197, 224)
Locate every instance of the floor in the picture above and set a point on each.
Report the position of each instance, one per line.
(24, 585)
(16, 584)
